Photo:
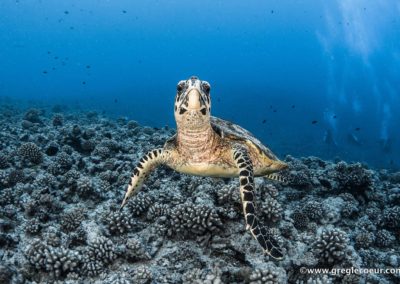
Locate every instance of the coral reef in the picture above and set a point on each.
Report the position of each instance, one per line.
(31, 152)
(331, 246)
(63, 177)
(56, 261)
(190, 219)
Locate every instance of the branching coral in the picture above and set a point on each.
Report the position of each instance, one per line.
(313, 210)
(188, 219)
(139, 204)
(271, 209)
(135, 250)
(100, 252)
(331, 246)
(365, 239)
(84, 187)
(352, 177)
(58, 120)
(33, 115)
(31, 152)
(64, 161)
(56, 261)
(264, 276)
(71, 220)
(117, 222)
(157, 210)
(3, 161)
(384, 238)
(142, 275)
(300, 220)
(391, 217)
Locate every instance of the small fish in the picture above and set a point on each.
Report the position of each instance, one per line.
(218, 100)
(124, 11)
(83, 82)
(314, 122)
(334, 116)
(87, 66)
(272, 11)
(66, 12)
(357, 129)
(293, 106)
(264, 121)
(55, 57)
(48, 52)
(275, 110)
(44, 71)
(115, 100)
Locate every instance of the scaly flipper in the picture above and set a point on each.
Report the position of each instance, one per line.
(276, 177)
(146, 164)
(246, 177)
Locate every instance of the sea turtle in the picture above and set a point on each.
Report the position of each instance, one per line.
(208, 146)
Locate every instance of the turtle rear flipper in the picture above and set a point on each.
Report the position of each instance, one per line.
(276, 177)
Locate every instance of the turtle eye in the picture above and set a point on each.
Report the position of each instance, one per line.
(180, 86)
(206, 87)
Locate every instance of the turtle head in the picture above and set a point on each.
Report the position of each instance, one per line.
(192, 102)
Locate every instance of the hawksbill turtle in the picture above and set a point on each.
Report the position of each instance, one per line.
(208, 146)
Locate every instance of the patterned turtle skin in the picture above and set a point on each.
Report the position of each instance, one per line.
(208, 146)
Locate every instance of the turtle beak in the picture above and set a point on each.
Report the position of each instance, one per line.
(194, 99)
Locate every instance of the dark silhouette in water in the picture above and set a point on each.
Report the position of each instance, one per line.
(386, 144)
(328, 138)
(353, 139)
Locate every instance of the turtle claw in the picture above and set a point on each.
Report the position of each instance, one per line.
(123, 203)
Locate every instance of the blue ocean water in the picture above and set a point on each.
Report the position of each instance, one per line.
(317, 78)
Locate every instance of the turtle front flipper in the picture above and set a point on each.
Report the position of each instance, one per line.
(246, 177)
(146, 164)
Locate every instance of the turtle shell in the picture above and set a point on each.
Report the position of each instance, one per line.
(234, 132)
